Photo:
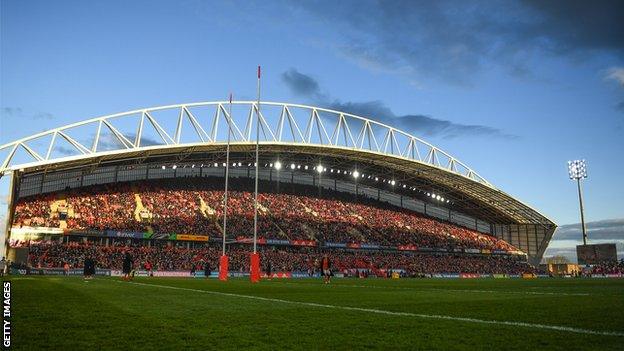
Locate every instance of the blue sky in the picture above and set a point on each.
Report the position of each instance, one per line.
(513, 89)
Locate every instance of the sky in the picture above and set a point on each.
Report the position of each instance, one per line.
(514, 89)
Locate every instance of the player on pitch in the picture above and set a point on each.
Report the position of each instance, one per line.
(127, 267)
(326, 269)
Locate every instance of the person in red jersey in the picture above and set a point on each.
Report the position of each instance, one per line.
(326, 269)
(148, 268)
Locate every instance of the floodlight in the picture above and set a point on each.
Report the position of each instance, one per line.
(577, 169)
(319, 168)
(278, 165)
(392, 182)
(356, 174)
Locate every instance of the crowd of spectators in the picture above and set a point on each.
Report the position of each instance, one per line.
(195, 206)
(613, 267)
(172, 257)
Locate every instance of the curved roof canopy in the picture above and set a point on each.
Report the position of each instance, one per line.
(284, 128)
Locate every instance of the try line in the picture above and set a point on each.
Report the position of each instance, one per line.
(391, 313)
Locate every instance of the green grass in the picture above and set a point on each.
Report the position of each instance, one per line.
(63, 313)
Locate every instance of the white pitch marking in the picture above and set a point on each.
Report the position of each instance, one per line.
(454, 290)
(392, 313)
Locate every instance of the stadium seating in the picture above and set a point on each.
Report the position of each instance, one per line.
(608, 268)
(194, 206)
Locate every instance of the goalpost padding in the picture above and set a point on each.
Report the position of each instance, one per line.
(223, 268)
(255, 268)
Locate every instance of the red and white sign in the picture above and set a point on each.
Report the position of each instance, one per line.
(470, 275)
(277, 275)
(303, 242)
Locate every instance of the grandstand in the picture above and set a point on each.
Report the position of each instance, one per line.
(151, 181)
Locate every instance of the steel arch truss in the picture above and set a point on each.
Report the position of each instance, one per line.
(280, 123)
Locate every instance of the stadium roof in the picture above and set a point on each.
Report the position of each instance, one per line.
(285, 129)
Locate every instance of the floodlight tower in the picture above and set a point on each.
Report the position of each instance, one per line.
(577, 170)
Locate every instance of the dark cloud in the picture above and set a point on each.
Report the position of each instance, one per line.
(110, 142)
(568, 236)
(452, 40)
(301, 84)
(422, 124)
(12, 111)
(572, 26)
(306, 86)
(611, 229)
(65, 151)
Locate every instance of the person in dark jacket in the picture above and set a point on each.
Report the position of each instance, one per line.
(127, 266)
(89, 267)
(269, 269)
(207, 269)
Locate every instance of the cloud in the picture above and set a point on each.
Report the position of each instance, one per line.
(452, 40)
(306, 86)
(18, 112)
(110, 142)
(43, 115)
(616, 74)
(575, 26)
(610, 229)
(12, 111)
(568, 236)
(301, 84)
(106, 142)
(65, 151)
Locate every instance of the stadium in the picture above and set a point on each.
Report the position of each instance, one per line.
(305, 151)
(377, 201)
